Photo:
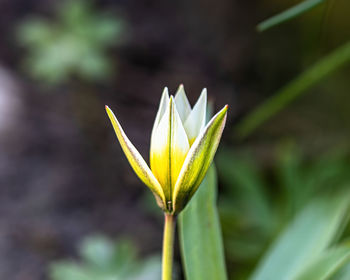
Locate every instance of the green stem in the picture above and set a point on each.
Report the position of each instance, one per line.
(168, 246)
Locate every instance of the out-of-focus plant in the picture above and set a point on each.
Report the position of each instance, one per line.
(286, 95)
(299, 199)
(183, 145)
(73, 45)
(305, 248)
(288, 14)
(300, 85)
(104, 259)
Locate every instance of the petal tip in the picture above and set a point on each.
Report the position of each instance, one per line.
(165, 93)
(180, 89)
(224, 109)
(203, 95)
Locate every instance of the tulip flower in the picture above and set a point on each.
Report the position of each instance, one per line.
(183, 146)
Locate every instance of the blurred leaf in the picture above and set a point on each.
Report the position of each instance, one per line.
(326, 264)
(286, 15)
(70, 271)
(73, 45)
(244, 191)
(151, 270)
(35, 31)
(311, 232)
(247, 188)
(302, 180)
(343, 274)
(290, 171)
(270, 195)
(97, 250)
(103, 259)
(200, 234)
(294, 89)
(103, 253)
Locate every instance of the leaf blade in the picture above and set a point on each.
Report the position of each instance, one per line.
(293, 90)
(288, 14)
(327, 264)
(311, 232)
(200, 234)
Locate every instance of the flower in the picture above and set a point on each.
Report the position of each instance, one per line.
(183, 146)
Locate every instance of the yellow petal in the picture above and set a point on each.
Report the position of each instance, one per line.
(136, 161)
(169, 150)
(196, 119)
(198, 160)
(182, 105)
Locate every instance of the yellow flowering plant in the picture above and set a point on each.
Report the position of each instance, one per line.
(183, 146)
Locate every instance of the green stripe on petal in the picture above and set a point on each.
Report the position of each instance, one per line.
(196, 119)
(182, 104)
(198, 160)
(169, 150)
(136, 161)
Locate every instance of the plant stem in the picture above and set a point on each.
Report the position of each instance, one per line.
(168, 246)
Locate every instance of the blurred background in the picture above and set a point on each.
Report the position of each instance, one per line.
(67, 193)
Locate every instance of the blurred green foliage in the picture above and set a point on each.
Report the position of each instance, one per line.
(259, 201)
(288, 14)
(305, 246)
(343, 274)
(283, 97)
(309, 37)
(104, 259)
(325, 266)
(73, 45)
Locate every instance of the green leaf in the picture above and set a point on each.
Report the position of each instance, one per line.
(200, 234)
(294, 89)
(288, 14)
(343, 274)
(305, 238)
(327, 264)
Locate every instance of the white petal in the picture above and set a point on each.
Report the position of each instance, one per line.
(164, 101)
(182, 104)
(169, 149)
(196, 120)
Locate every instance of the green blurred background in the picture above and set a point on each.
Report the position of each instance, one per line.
(65, 183)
